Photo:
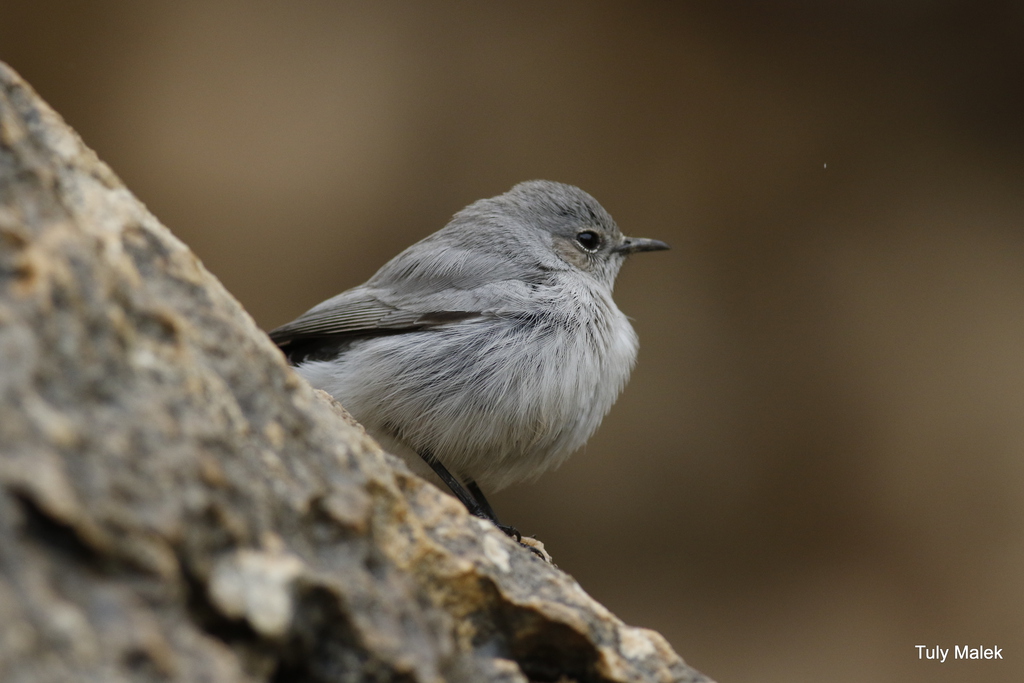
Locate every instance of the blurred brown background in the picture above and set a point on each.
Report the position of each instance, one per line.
(818, 462)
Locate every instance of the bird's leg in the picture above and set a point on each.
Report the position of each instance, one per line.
(475, 501)
(481, 500)
(474, 489)
(467, 498)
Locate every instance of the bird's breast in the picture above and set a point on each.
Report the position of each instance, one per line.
(499, 398)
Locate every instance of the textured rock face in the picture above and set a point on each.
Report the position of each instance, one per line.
(176, 505)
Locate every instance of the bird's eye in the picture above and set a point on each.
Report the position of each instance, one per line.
(588, 240)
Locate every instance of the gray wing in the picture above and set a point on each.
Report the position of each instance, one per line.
(436, 282)
(326, 328)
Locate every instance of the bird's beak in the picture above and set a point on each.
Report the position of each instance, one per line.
(631, 245)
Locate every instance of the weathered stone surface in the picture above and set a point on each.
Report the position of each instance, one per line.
(177, 505)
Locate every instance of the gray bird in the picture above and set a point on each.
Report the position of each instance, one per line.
(491, 349)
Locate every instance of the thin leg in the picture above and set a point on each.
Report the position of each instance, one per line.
(479, 496)
(474, 499)
(467, 498)
(481, 500)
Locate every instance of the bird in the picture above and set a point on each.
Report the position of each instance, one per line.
(490, 350)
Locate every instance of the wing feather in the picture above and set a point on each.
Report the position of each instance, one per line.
(326, 329)
(415, 298)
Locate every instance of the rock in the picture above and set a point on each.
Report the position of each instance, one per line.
(177, 505)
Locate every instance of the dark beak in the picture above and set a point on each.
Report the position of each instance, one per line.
(631, 245)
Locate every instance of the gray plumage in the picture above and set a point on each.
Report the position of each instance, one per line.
(492, 345)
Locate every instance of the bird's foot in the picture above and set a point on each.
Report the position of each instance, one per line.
(514, 534)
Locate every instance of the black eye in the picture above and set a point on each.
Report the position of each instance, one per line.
(589, 240)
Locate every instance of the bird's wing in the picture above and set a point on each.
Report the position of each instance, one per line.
(432, 284)
(359, 312)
